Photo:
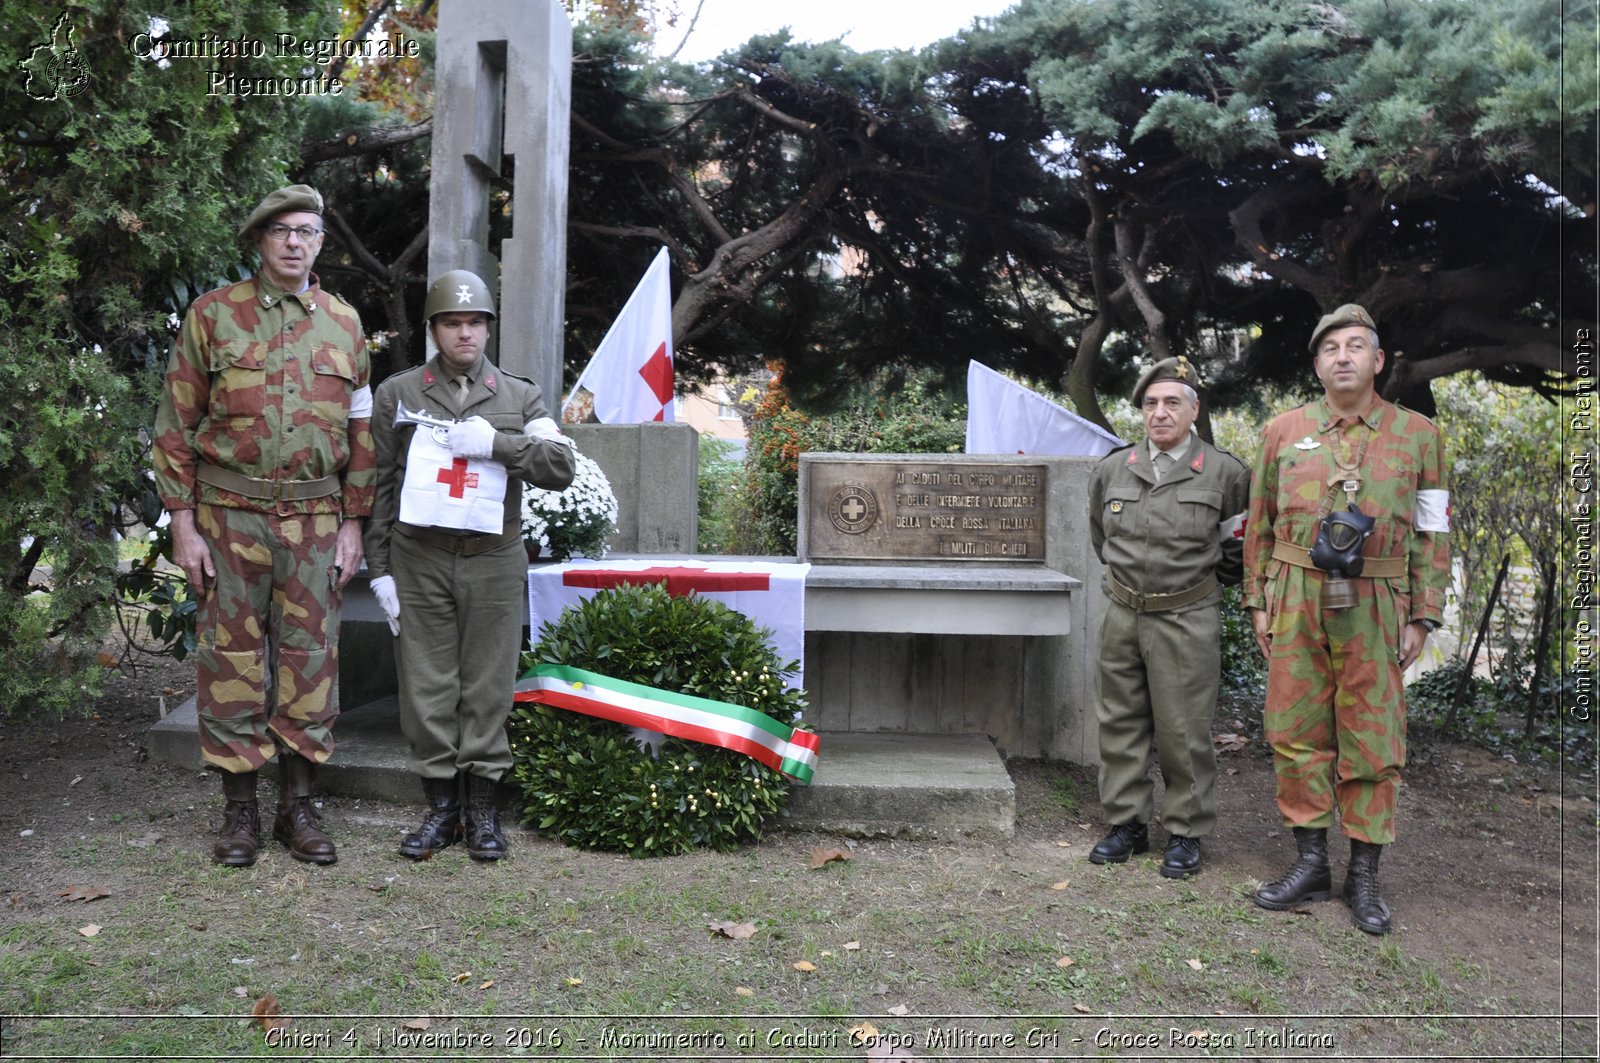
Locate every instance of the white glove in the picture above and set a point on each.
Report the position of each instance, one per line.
(545, 428)
(388, 600)
(472, 438)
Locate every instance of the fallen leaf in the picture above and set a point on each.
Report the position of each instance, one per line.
(804, 965)
(1233, 771)
(1199, 1036)
(851, 946)
(268, 1016)
(106, 660)
(91, 930)
(197, 926)
(486, 985)
(743, 991)
(462, 977)
(1063, 884)
(377, 887)
(826, 953)
(83, 893)
(894, 1054)
(1062, 843)
(144, 841)
(819, 857)
(574, 982)
(729, 929)
(418, 1024)
(1196, 964)
(240, 991)
(860, 1035)
(1065, 962)
(1084, 1008)
(15, 900)
(1231, 742)
(76, 779)
(899, 1009)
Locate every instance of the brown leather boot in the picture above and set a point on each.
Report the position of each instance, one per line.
(298, 826)
(241, 821)
(484, 840)
(443, 825)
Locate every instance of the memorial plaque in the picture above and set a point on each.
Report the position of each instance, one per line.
(863, 510)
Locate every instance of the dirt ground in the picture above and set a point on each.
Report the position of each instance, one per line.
(1495, 869)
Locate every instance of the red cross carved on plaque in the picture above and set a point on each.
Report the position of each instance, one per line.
(679, 579)
(458, 478)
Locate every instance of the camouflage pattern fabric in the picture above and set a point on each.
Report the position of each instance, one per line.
(273, 606)
(260, 383)
(1159, 672)
(460, 617)
(1335, 713)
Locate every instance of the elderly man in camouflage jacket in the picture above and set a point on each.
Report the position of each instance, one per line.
(1346, 565)
(1166, 516)
(263, 455)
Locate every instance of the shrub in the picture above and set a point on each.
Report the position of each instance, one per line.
(588, 782)
(575, 520)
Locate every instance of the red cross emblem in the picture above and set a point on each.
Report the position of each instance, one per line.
(458, 478)
(657, 373)
(678, 579)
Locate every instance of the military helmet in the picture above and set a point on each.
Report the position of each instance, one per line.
(458, 290)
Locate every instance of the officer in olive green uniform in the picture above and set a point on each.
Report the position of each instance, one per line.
(1166, 517)
(1337, 639)
(452, 578)
(263, 457)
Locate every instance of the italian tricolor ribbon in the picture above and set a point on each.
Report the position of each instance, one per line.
(718, 723)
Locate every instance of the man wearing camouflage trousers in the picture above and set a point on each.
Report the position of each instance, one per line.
(1165, 516)
(445, 553)
(1338, 616)
(263, 456)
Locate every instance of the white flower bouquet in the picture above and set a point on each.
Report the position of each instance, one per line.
(574, 521)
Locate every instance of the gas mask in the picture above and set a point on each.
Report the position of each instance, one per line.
(1337, 552)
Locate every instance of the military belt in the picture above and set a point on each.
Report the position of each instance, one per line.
(1371, 567)
(266, 490)
(466, 544)
(1159, 603)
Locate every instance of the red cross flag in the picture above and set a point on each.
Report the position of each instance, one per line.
(443, 491)
(772, 594)
(630, 375)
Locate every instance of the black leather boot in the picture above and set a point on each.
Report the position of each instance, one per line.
(298, 826)
(1361, 888)
(1124, 840)
(241, 821)
(1308, 878)
(443, 825)
(484, 840)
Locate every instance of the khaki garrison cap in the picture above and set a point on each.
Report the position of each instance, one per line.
(284, 201)
(1179, 369)
(1347, 315)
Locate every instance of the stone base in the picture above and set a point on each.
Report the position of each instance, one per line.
(914, 786)
(906, 785)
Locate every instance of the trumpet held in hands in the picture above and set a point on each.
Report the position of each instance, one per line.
(440, 426)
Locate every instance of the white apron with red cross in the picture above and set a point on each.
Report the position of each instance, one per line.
(441, 491)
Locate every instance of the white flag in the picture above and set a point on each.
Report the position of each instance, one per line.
(630, 375)
(1003, 417)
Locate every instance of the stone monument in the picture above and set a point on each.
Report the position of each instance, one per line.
(502, 107)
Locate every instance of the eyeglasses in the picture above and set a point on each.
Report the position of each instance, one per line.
(280, 232)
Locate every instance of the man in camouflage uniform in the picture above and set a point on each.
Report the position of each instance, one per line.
(1165, 517)
(263, 456)
(1335, 646)
(453, 595)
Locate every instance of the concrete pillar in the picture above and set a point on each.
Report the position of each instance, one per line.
(654, 471)
(502, 102)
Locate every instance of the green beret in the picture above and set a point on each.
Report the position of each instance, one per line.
(284, 201)
(1180, 369)
(1347, 315)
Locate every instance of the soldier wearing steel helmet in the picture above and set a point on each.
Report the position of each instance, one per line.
(1346, 564)
(446, 559)
(263, 457)
(1165, 515)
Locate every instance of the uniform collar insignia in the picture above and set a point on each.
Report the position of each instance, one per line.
(489, 383)
(1307, 444)
(427, 376)
(1199, 462)
(1133, 456)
